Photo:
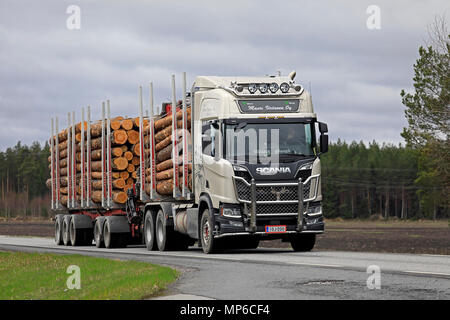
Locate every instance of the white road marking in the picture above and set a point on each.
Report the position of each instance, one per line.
(315, 264)
(430, 273)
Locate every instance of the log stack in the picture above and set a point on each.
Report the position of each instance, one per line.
(163, 153)
(124, 158)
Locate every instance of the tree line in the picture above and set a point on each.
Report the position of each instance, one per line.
(358, 181)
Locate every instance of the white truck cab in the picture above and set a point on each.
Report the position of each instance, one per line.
(256, 160)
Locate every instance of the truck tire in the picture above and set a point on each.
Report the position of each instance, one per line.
(113, 239)
(80, 230)
(59, 229)
(164, 234)
(149, 232)
(65, 231)
(209, 244)
(98, 232)
(303, 242)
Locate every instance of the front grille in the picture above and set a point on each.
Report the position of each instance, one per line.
(277, 193)
(275, 208)
(271, 193)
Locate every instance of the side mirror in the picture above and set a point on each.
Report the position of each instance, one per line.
(323, 127)
(323, 143)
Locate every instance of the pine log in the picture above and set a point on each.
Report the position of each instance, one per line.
(131, 168)
(119, 137)
(135, 161)
(164, 154)
(136, 149)
(128, 155)
(124, 175)
(129, 181)
(166, 121)
(118, 196)
(119, 163)
(116, 152)
(133, 136)
(115, 174)
(127, 124)
(78, 127)
(96, 130)
(118, 183)
(96, 175)
(115, 124)
(161, 145)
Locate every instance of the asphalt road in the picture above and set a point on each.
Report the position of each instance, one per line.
(279, 273)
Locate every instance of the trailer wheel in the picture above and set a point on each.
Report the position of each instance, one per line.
(98, 227)
(149, 232)
(59, 229)
(65, 231)
(164, 234)
(209, 244)
(112, 239)
(303, 242)
(80, 230)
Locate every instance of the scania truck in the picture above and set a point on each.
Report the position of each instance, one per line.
(254, 150)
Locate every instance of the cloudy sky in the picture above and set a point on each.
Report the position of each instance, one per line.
(356, 74)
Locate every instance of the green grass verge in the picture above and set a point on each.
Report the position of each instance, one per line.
(43, 276)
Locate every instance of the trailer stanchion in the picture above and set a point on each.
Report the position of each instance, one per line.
(185, 187)
(74, 162)
(153, 193)
(142, 195)
(103, 158)
(176, 182)
(52, 164)
(69, 162)
(58, 194)
(82, 181)
(108, 154)
(88, 158)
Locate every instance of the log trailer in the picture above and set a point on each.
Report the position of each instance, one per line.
(248, 170)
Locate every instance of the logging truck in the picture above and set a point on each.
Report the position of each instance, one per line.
(235, 161)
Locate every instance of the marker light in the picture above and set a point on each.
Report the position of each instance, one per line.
(273, 87)
(284, 87)
(263, 87)
(298, 87)
(252, 88)
(239, 88)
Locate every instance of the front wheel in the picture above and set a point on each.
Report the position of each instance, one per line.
(303, 242)
(209, 244)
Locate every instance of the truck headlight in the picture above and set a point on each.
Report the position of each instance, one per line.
(284, 87)
(273, 87)
(263, 87)
(314, 210)
(252, 88)
(230, 212)
(306, 166)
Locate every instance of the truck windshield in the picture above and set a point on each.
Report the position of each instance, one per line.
(268, 142)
